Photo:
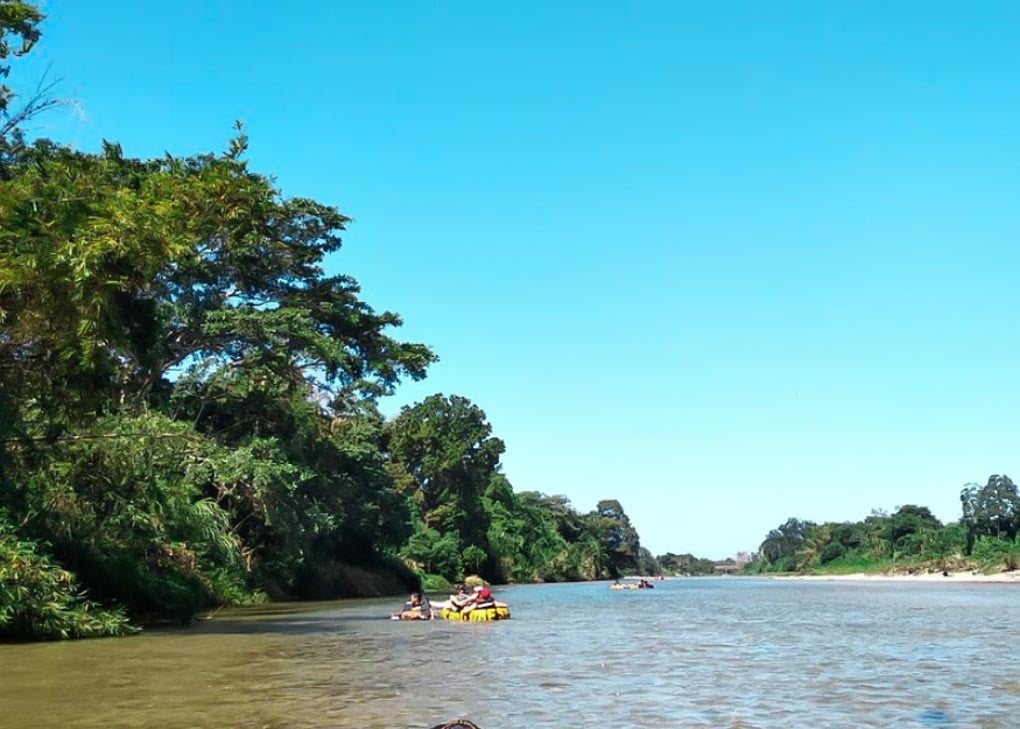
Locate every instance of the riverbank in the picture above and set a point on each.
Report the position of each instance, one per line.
(959, 576)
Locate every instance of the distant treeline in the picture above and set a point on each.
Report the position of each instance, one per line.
(683, 564)
(909, 539)
(188, 405)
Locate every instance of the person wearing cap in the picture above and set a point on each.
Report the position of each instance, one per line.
(482, 598)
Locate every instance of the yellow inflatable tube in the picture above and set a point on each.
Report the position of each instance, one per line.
(478, 615)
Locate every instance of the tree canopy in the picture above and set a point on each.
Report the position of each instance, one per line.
(189, 403)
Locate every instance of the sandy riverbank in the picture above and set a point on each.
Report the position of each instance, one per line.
(965, 576)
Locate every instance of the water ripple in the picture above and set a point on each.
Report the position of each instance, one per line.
(733, 653)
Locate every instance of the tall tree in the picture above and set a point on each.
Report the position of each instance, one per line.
(618, 536)
(908, 527)
(19, 31)
(992, 510)
(126, 270)
(192, 287)
(782, 544)
(443, 451)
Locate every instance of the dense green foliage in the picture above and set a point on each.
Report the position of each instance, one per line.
(684, 564)
(910, 539)
(188, 405)
(468, 519)
(38, 598)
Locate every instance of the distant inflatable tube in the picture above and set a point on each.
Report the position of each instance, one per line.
(478, 615)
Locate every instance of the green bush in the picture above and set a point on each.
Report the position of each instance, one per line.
(434, 583)
(128, 515)
(832, 551)
(434, 552)
(40, 600)
(996, 554)
(854, 562)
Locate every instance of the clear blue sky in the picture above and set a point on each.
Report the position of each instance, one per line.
(725, 262)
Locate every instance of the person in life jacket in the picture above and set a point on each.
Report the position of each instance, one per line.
(482, 598)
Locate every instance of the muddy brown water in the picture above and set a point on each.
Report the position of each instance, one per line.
(727, 652)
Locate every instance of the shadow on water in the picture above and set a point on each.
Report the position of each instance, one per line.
(935, 717)
(292, 626)
(289, 623)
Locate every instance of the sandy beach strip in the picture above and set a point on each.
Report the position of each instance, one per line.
(965, 576)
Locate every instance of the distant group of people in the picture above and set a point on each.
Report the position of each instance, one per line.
(643, 584)
(418, 606)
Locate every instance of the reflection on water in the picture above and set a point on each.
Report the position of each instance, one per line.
(692, 653)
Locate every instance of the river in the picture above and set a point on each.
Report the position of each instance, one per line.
(703, 652)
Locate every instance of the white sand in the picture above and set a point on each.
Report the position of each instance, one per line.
(967, 576)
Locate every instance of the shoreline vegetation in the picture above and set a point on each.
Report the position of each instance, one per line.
(189, 404)
(907, 544)
(963, 576)
(189, 415)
